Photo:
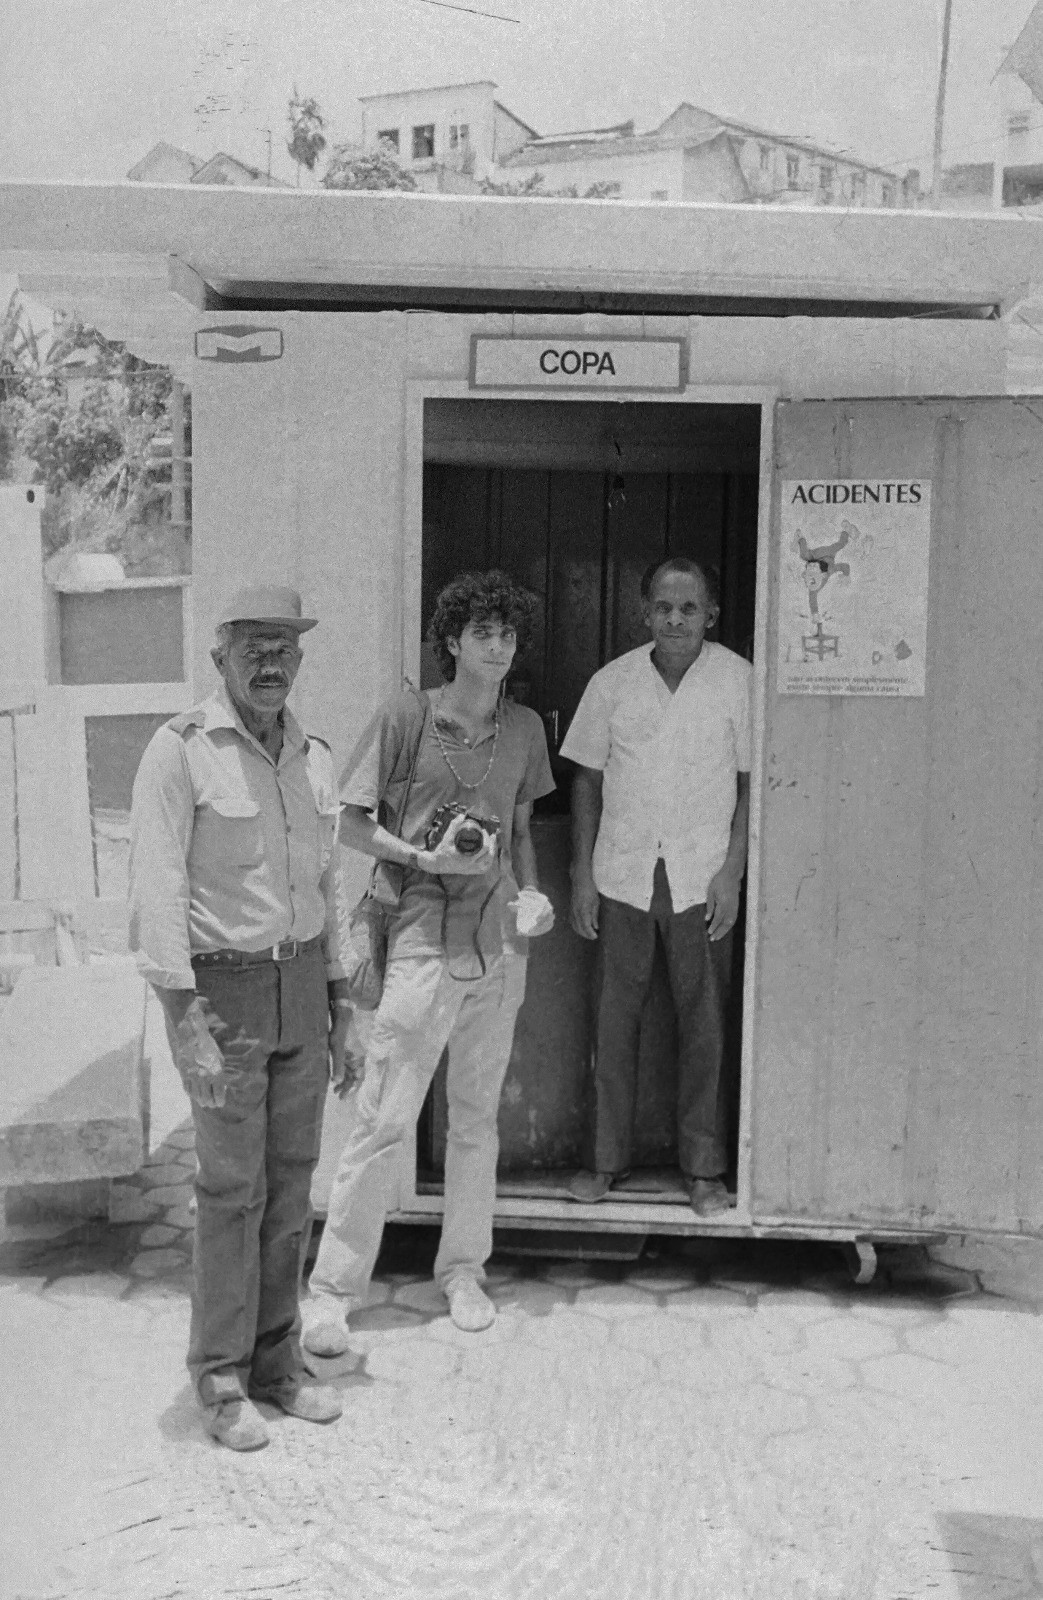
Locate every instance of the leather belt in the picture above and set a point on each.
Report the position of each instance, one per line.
(285, 950)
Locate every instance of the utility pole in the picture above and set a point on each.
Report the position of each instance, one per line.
(268, 140)
(939, 108)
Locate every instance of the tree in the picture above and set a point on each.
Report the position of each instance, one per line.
(307, 131)
(532, 188)
(352, 168)
(95, 439)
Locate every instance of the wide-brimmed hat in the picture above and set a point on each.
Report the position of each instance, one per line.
(266, 602)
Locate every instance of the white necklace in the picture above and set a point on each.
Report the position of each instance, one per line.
(445, 753)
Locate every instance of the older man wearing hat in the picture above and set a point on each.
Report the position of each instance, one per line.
(234, 919)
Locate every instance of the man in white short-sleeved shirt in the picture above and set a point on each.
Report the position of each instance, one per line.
(660, 808)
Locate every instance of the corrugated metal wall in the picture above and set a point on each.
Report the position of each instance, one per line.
(898, 1017)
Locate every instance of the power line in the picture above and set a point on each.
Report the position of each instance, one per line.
(494, 16)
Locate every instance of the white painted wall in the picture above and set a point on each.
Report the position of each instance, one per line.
(1019, 129)
(640, 175)
(470, 103)
(300, 465)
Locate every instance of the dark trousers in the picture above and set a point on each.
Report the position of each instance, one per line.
(256, 1156)
(699, 973)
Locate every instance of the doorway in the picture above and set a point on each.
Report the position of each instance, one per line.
(578, 500)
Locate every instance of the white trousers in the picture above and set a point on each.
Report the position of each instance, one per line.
(423, 1009)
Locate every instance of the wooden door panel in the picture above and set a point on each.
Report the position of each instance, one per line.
(897, 1019)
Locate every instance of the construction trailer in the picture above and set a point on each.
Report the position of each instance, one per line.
(841, 411)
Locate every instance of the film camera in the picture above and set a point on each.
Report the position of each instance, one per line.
(469, 837)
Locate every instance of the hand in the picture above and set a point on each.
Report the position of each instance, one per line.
(206, 1067)
(347, 1053)
(352, 1058)
(533, 913)
(722, 902)
(586, 903)
(446, 858)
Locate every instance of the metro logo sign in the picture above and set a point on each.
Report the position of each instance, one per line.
(569, 361)
(237, 343)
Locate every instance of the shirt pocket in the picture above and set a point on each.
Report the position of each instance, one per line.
(233, 830)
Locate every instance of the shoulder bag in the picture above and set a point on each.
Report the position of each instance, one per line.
(370, 920)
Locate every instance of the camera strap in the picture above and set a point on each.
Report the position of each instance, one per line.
(447, 900)
(386, 878)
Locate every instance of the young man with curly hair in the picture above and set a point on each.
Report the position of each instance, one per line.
(457, 947)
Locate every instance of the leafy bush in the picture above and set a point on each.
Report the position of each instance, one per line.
(351, 168)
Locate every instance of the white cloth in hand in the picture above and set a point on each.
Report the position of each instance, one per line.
(533, 912)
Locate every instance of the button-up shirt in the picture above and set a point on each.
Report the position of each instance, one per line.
(669, 763)
(230, 849)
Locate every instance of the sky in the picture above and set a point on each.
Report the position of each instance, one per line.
(88, 86)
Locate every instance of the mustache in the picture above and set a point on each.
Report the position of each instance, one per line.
(269, 680)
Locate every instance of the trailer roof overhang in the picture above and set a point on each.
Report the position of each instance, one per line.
(142, 261)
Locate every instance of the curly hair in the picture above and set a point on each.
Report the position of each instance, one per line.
(475, 597)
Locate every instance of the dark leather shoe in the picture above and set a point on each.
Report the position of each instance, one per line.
(708, 1196)
(589, 1187)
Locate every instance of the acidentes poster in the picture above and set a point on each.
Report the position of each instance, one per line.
(853, 586)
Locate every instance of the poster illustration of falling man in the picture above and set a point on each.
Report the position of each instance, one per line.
(853, 586)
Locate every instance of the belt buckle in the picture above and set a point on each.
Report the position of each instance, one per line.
(285, 950)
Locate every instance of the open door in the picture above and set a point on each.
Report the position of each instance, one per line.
(578, 500)
(897, 1038)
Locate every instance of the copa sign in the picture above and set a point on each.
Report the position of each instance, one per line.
(568, 362)
(572, 362)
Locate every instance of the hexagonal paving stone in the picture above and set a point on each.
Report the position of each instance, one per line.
(158, 1234)
(614, 1300)
(378, 1319)
(424, 1297)
(129, 1205)
(87, 1285)
(153, 1263)
(569, 1330)
(181, 1138)
(170, 1195)
(928, 1383)
(661, 1279)
(708, 1302)
(181, 1217)
(815, 1377)
(846, 1339)
(530, 1299)
(934, 1280)
(154, 1177)
(657, 1335)
(410, 1361)
(570, 1274)
(502, 1272)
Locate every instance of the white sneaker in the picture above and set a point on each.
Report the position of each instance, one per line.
(324, 1330)
(469, 1305)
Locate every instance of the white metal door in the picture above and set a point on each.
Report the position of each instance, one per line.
(896, 1050)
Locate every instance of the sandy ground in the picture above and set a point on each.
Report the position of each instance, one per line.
(721, 1419)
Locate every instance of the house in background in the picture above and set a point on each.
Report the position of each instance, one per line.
(165, 163)
(458, 128)
(697, 155)
(1018, 87)
(694, 166)
(968, 186)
